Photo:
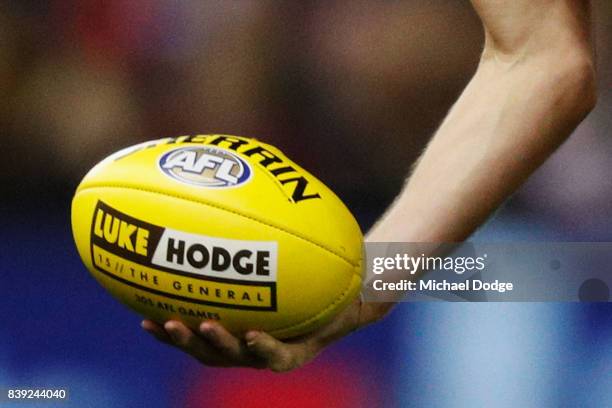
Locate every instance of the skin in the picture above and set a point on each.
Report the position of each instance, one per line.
(534, 84)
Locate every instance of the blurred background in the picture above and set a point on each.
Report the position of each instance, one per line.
(350, 90)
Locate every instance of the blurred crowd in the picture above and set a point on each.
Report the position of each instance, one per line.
(351, 92)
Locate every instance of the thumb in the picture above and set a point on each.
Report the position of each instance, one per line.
(278, 355)
(262, 344)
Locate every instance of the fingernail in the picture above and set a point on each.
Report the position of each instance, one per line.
(250, 337)
(206, 328)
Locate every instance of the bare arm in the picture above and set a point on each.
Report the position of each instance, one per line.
(534, 84)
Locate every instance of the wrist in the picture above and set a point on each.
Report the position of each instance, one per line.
(371, 312)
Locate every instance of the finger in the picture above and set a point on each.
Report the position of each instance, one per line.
(156, 331)
(182, 336)
(279, 356)
(221, 339)
(185, 339)
(226, 343)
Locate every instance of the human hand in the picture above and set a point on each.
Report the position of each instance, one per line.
(214, 346)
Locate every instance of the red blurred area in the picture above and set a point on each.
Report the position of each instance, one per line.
(110, 30)
(323, 383)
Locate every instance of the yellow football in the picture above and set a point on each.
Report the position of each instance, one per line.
(218, 227)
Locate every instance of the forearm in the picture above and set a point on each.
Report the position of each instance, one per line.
(505, 124)
(526, 97)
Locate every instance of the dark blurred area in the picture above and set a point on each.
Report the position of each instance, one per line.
(352, 93)
(350, 90)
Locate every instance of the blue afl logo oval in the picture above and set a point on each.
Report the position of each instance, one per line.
(205, 166)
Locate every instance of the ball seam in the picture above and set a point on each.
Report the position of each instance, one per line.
(337, 300)
(220, 207)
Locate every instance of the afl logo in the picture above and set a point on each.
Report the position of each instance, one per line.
(205, 166)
